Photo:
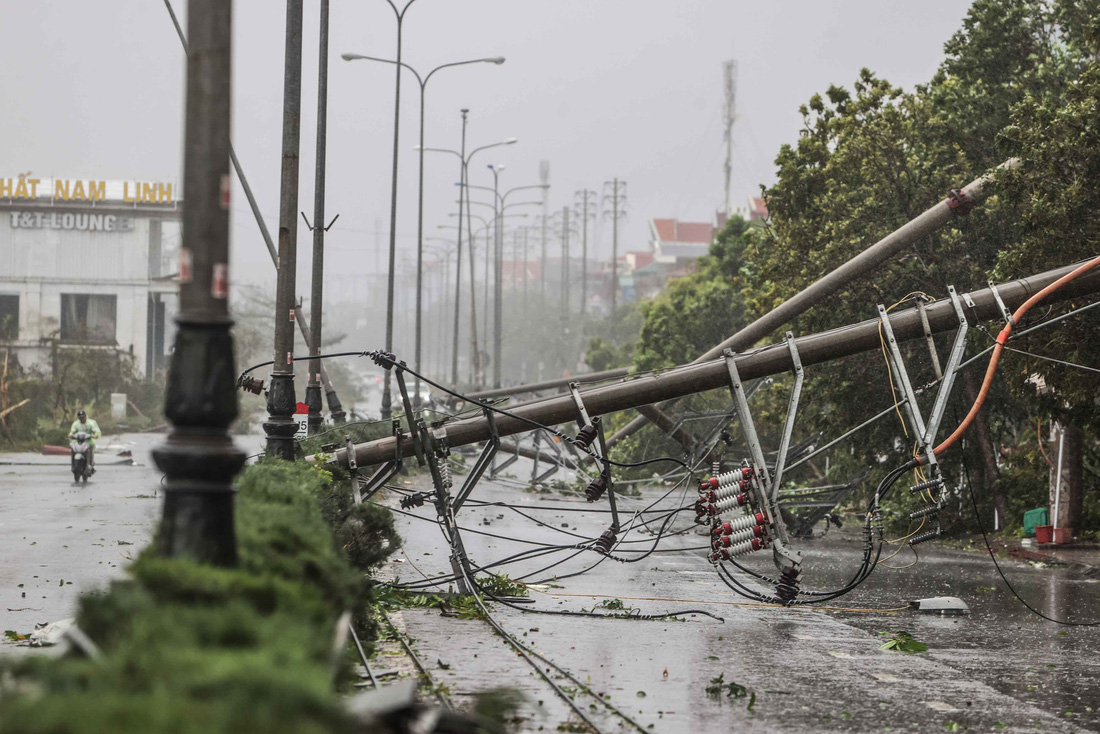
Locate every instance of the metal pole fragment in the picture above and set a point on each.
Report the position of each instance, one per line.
(280, 426)
(198, 457)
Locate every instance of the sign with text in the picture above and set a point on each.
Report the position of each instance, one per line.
(71, 220)
(68, 190)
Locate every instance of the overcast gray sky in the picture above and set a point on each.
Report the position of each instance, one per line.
(599, 88)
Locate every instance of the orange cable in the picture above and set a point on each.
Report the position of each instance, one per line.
(1002, 337)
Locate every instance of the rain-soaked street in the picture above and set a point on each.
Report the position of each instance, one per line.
(998, 668)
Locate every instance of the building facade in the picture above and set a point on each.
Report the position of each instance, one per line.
(87, 264)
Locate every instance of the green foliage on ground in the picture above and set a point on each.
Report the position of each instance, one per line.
(190, 648)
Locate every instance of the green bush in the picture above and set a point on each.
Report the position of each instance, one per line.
(190, 648)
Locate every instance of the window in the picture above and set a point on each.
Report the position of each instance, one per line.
(9, 317)
(88, 318)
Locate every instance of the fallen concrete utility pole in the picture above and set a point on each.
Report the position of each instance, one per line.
(959, 203)
(334, 406)
(712, 374)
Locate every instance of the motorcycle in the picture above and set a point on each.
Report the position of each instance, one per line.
(80, 446)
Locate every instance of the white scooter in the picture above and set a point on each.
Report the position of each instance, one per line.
(80, 446)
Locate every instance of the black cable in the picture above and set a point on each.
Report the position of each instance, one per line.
(993, 557)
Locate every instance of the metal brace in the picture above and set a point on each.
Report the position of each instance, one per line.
(495, 468)
(785, 558)
(386, 471)
(928, 337)
(901, 380)
(484, 460)
(1001, 304)
(788, 424)
(958, 349)
(421, 441)
(536, 477)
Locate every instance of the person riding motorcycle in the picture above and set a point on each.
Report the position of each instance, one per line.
(84, 424)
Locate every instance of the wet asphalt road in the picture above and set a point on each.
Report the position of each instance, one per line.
(998, 669)
(59, 540)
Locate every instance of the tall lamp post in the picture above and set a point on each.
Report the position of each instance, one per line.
(423, 82)
(199, 458)
(387, 400)
(463, 174)
(498, 256)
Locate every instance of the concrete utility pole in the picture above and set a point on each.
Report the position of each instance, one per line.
(729, 71)
(313, 386)
(458, 254)
(565, 263)
(544, 179)
(334, 406)
(615, 195)
(585, 195)
(199, 458)
(280, 426)
(958, 203)
(498, 273)
(774, 359)
(387, 399)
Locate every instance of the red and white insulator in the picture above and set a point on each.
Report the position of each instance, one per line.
(737, 475)
(740, 523)
(741, 549)
(725, 541)
(730, 490)
(730, 503)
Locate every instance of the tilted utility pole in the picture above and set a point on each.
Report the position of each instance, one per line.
(585, 196)
(313, 386)
(198, 458)
(280, 426)
(615, 195)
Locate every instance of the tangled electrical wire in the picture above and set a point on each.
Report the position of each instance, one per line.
(658, 521)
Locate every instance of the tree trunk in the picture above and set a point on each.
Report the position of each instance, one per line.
(990, 473)
(1070, 508)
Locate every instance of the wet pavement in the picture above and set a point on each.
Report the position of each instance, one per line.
(1000, 668)
(59, 540)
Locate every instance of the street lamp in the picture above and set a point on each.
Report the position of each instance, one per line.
(465, 163)
(423, 81)
(498, 258)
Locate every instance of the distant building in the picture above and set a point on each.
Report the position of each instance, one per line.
(88, 264)
(677, 243)
(758, 208)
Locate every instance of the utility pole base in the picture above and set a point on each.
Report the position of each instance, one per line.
(280, 426)
(335, 409)
(313, 400)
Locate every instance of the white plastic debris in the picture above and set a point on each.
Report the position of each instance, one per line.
(941, 604)
(50, 633)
